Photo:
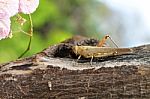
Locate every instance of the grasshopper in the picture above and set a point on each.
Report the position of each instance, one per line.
(99, 51)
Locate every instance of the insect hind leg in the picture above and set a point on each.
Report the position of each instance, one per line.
(103, 41)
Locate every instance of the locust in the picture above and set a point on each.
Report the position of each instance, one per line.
(100, 51)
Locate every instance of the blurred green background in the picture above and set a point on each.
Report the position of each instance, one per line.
(128, 23)
(54, 21)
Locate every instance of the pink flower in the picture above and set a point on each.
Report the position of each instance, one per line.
(28, 6)
(4, 27)
(9, 8)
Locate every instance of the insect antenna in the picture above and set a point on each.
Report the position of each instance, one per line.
(30, 35)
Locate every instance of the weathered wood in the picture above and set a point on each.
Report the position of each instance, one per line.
(55, 73)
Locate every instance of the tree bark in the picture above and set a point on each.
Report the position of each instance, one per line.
(55, 73)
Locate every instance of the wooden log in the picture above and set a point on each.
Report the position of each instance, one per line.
(55, 73)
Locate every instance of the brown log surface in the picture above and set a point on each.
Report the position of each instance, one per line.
(54, 73)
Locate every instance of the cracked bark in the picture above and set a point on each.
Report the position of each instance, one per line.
(55, 73)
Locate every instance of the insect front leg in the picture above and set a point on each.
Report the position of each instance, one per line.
(91, 59)
(78, 58)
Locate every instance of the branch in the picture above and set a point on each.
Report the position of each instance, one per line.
(55, 73)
